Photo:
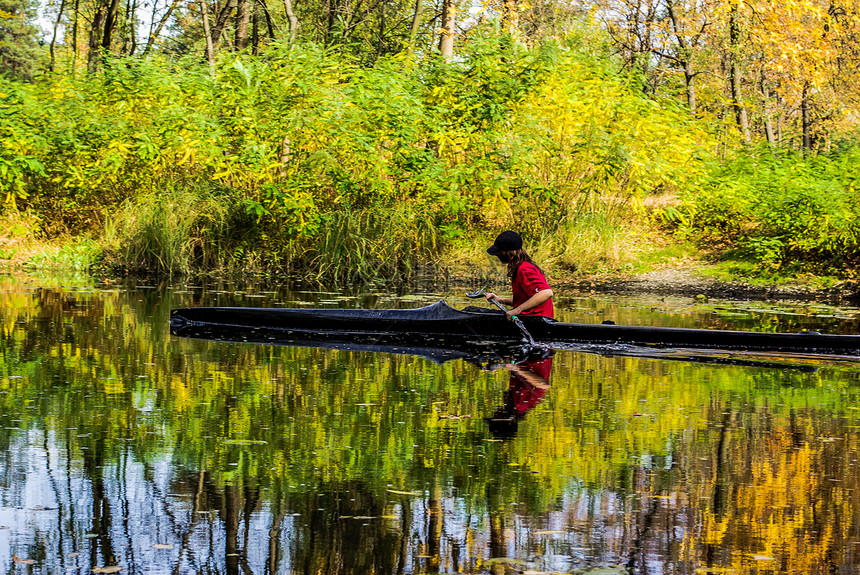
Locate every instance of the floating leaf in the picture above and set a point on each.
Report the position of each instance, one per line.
(111, 569)
(163, 546)
(410, 493)
(20, 561)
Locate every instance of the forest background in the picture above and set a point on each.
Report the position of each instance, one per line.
(380, 139)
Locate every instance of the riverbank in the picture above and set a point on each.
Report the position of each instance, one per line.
(697, 280)
(687, 276)
(691, 276)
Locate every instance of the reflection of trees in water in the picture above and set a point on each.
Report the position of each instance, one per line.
(625, 461)
(677, 513)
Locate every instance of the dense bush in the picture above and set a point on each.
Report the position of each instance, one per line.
(297, 159)
(782, 210)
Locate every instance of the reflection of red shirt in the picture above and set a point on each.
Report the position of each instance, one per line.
(524, 395)
(528, 281)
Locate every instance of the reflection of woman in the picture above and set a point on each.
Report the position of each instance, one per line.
(528, 384)
(531, 292)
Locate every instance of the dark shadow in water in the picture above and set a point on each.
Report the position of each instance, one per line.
(487, 354)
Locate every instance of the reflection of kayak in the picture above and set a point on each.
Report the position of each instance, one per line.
(442, 321)
(486, 353)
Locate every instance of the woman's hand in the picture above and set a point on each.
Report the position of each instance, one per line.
(505, 300)
(509, 315)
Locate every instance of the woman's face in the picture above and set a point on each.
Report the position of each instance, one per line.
(503, 257)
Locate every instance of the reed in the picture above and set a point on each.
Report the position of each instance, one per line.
(176, 231)
(395, 242)
(591, 243)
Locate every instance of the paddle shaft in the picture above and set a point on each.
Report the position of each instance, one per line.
(516, 321)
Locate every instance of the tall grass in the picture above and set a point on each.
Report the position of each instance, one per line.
(592, 243)
(376, 244)
(176, 231)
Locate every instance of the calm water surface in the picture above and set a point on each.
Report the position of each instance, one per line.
(126, 449)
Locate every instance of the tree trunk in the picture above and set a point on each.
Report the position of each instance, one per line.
(381, 31)
(210, 48)
(153, 20)
(243, 20)
(294, 22)
(54, 37)
(221, 21)
(95, 37)
(735, 73)
(329, 15)
(154, 35)
(130, 40)
(804, 118)
(446, 36)
(75, 38)
(413, 30)
(684, 56)
(691, 87)
(768, 124)
(270, 28)
(255, 28)
(110, 25)
(779, 128)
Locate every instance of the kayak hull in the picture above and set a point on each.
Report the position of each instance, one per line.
(440, 321)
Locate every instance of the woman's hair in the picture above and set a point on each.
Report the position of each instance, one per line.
(515, 258)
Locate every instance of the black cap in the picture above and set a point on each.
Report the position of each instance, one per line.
(507, 241)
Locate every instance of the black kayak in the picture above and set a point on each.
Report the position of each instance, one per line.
(442, 322)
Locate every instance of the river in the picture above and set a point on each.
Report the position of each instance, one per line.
(126, 449)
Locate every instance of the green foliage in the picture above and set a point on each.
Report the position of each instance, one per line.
(785, 211)
(590, 243)
(301, 160)
(78, 255)
(370, 245)
(174, 231)
(20, 145)
(19, 51)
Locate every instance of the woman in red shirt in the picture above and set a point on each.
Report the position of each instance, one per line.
(531, 292)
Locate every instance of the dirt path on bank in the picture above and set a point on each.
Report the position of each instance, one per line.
(690, 281)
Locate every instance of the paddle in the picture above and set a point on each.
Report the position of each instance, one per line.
(516, 320)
